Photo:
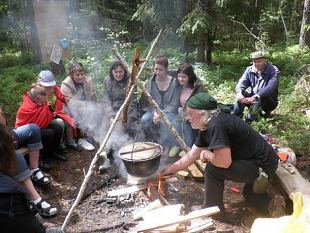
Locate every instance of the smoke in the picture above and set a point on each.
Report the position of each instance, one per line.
(94, 119)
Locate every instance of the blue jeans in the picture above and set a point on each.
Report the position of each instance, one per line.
(28, 135)
(187, 133)
(160, 131)
(22, 170)
(267, 104)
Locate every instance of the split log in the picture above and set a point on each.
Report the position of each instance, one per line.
(196, 173)
(180, 219)
(131, 189)
(165, 212)
(151, 206)
(103, 144)
(198, 225)
(182, 175)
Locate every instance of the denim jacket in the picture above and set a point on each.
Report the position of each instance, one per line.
(265, 86)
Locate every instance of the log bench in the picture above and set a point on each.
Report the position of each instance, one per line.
(23, 150)
(294, 183)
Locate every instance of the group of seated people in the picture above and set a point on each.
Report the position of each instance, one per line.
(43, 125)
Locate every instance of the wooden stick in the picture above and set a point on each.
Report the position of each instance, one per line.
(131, 189)
(103, 144)
(133, 75)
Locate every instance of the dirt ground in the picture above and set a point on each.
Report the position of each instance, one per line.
(97, 213)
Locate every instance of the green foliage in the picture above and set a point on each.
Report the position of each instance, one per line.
(14, 82)
(14, 58)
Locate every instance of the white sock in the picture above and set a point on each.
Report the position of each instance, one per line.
(39, 175)
(44, 204)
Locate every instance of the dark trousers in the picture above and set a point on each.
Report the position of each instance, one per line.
(267, 104)
(16, 217)
(51, 138)
(243, 171)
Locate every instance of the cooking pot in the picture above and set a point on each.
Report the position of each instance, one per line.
(141, 159)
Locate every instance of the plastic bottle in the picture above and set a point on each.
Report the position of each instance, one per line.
(261, 183)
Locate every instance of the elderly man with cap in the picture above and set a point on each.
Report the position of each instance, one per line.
(263, 80)
(232, 150)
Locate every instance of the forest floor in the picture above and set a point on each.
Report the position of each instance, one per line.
(96, 213)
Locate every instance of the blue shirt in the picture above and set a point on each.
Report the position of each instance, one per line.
(264, 84)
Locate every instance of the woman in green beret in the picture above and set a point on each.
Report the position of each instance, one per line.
(232, 150)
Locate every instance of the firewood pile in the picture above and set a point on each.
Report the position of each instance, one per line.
(146, 204)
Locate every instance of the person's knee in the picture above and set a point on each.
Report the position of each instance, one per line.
(35, 131)
(47, 135)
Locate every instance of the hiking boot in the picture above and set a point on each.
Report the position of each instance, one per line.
(174, 151)
(60, 156)
(45, 165)
(251, 117)
(62, 148)
(73, 145)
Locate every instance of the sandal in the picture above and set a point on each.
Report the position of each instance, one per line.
(43, 180)
(46, 212)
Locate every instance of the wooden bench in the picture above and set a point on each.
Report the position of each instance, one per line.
(294, 183)
(23, 150)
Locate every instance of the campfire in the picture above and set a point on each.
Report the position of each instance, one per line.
(155, 188)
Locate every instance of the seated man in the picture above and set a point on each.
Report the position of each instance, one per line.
(263, 80)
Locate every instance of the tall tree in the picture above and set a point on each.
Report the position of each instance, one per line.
(304, 24)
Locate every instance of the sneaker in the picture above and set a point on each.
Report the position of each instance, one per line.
(174, 151)
(85, 144)
(73, 145)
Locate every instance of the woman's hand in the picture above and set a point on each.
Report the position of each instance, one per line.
(156, 118)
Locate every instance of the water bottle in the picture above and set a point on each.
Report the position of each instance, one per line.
(261, 183)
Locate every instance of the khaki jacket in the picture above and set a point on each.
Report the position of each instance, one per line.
(68, 89)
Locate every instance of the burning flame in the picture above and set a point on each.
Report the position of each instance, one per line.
(160, 189)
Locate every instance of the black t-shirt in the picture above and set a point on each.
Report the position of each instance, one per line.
(225, 130)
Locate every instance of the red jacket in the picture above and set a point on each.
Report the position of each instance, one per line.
(30, 112)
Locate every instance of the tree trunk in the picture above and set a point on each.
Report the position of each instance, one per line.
(304, 22)
(210, 39)
(201, 49)
(184, 12)
(34, 41)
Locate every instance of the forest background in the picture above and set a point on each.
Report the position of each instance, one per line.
(216, 36)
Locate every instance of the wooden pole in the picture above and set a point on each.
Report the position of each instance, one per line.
(103, 144)
(133, 75)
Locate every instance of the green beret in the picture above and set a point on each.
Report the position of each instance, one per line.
(202, 101)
